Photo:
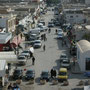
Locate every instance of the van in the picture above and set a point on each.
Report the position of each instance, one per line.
(35, 31)
(62, 75)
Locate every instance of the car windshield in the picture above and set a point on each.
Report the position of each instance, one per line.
(65, 62)
(37, 41)
(50, 22)
(21, 57)
(17, 72)
(29, 72)
(25, 52)
(63, 56)
(44, 74)
(62, 73)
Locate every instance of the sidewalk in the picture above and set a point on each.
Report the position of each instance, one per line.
(75, 69)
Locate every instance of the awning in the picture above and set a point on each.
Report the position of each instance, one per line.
(16, 40)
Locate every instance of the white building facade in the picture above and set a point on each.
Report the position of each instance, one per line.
(74, 16)
(8, 21)
(83, 55)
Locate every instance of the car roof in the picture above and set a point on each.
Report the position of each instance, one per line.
(59, 29)
(63, 54)
(46, 71)
(63, 70)
(21, 55)
(30, 70)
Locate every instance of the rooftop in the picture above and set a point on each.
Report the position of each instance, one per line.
(84, 45)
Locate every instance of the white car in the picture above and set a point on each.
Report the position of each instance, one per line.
(43, 28)
(65, 63)
(60, 35)
(63, 56)
(37, 44)
(59, 31)
(21, 60)
(26, 53)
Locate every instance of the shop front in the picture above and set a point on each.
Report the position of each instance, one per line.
(3, 67)
(5, 41)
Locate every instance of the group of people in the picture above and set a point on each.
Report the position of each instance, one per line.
(53, 73)
(43, 37)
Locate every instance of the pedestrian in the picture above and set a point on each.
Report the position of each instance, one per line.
(44, 47)
(10, 86)
(49, 30)
(51, 73)
(33, 60)
(54, 72)
(56, 31)
(31, 54)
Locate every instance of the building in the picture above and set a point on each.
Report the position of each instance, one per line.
(87, 2)
(83, 55)
(74, 16)
(3, 67)
(8, 21)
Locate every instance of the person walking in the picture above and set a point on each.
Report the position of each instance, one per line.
(49, 30)
(56, 31)
(33, 60)
(44, 47)
(51, 73)
(54, 72)
(31, 54)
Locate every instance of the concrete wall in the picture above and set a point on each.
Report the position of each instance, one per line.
(74, 18)
(87, 2)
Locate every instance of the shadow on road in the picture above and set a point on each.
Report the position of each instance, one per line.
(57, 67)
(37, 80)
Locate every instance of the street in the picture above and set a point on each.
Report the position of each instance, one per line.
(48, 59)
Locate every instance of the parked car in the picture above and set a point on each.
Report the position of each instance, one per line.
(60, 35)
(35, 31)
(45, 75)
(25, 53)
(30, 74)
(56, 23)
(50, 24)
(39, 25)
(43, 28)
(34, 36)
(63, 74)
(37, 44)
(17, 74)
(59, 31)
(66, 63)
(63, 56)
(21, 60)
(42, 21)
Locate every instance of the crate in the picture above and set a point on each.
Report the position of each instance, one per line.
(54, 82)
(42, 82)
(31, 81)
(18, 81)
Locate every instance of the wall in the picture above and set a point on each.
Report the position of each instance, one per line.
(3, 22)
(87, 2)
(76, 18)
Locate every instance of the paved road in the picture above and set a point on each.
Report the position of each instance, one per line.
(47, 60)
